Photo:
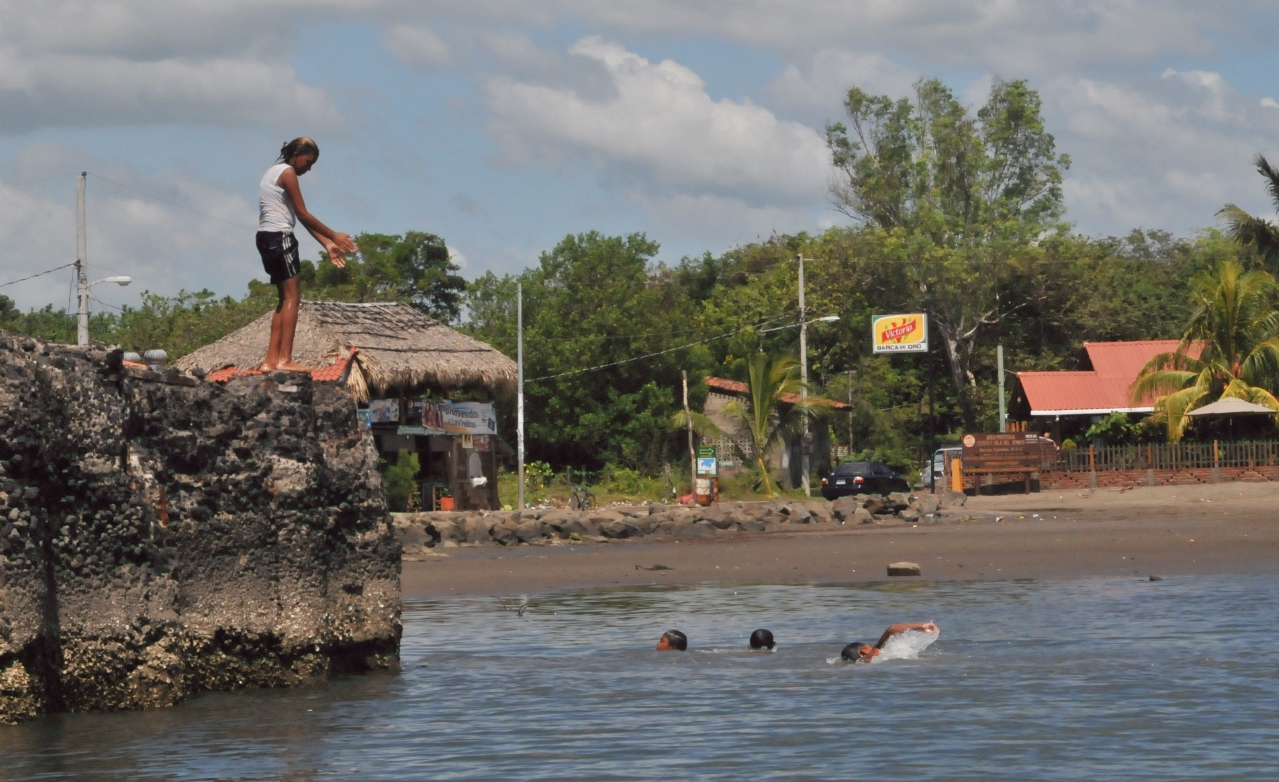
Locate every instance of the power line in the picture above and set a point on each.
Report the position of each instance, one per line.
(647, 334)
(651, 355)
(38, 274)
(103, 303)
(171, 203)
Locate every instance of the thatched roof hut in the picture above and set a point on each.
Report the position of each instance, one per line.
(401, 351)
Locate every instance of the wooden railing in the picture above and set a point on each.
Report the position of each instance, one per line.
(1168, 456)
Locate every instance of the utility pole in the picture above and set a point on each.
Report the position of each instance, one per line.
(803, 370)
(1003, 412)
(519, 404)
(850, 413)
(81, 266)
(692, 452)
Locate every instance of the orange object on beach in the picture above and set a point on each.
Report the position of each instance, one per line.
(446, 503)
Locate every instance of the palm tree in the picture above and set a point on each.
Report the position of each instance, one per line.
(772, 381)
(1254, 231)
(1236, 327)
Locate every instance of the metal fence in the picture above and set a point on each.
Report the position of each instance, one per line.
(1168, 456)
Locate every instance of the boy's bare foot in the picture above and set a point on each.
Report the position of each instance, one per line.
(266, 367)
(292, 366)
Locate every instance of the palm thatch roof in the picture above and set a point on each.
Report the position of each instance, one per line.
(401, 351)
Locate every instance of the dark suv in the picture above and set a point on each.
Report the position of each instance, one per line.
(862, 478)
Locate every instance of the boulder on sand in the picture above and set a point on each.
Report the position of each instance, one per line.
(476, 530)
(953, 499)
(861, 516)
(904, 569)
(897, 502)
(503, 532)
(529, 531)
(844, 507)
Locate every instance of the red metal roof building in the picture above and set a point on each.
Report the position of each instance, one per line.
(1101, 390)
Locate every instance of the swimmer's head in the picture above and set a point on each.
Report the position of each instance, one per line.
(762, 639)
(672, 641)
(857, 652)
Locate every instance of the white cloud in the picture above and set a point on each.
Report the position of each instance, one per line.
(417, 47)
(823, 82)
(662, 128)
(1165, 155)
(1270, 103)
(75, 91)
(200, 235)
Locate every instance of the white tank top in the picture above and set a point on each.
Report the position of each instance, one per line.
(275, 208)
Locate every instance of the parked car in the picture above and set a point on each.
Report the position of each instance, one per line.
(862, 478)
(938, 468)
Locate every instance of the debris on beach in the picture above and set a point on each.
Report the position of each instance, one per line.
(904, 569)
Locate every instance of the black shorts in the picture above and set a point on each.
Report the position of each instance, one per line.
(279, 251)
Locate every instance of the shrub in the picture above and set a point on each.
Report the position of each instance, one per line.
(1114, 429)
(399, 481)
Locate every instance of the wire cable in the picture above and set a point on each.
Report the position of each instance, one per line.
(37, 274)
(651, 355)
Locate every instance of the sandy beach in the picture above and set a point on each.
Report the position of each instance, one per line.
(1161, 531)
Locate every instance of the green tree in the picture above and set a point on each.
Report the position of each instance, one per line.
(1254, 231)
(961, 196)
(596, 303)
(762, 418)
(1235, 326)
(414, 268)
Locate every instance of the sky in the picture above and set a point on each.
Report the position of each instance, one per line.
(503, 127)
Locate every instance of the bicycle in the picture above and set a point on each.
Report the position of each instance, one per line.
(580, 497)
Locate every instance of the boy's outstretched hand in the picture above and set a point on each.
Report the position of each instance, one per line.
(344, 243)
(335, 254)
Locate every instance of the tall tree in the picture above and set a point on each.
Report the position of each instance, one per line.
(1254, 231)
(596, 303)
(1235, 328)
(414, 268)
(962, 195)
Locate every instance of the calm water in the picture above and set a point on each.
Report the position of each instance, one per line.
(1089, 679)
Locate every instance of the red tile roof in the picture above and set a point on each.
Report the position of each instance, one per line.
(738, 388)
(330, 374)
(1104, 388)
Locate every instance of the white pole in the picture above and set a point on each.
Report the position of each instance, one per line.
(519, 405)
(692, 452)
(803, 369)
(1003, 413)
(81, 265)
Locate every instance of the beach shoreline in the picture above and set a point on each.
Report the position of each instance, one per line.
(1135, 533)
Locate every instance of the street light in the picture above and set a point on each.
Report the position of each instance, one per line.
(82, 315)
(827, 319)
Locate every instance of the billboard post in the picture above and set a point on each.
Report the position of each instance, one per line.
(906, 333)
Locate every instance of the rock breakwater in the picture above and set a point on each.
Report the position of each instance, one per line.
(534, 527)
(162, 536)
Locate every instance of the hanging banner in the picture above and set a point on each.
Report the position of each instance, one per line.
(384, 411)
(429, 417)
(900, 333)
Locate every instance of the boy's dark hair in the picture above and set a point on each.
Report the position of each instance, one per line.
(298, 146)
(762, 639)
(850, 652)
(677, 639)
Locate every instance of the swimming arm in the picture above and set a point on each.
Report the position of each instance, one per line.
(289, 182)
(926, 627)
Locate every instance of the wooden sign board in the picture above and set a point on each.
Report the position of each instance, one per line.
(1002, 452)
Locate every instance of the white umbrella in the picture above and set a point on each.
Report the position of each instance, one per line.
(1231, 405)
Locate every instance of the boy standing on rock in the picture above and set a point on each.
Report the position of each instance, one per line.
(280, 205)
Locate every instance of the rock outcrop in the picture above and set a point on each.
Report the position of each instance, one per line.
(420, 531)
(162, 536)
